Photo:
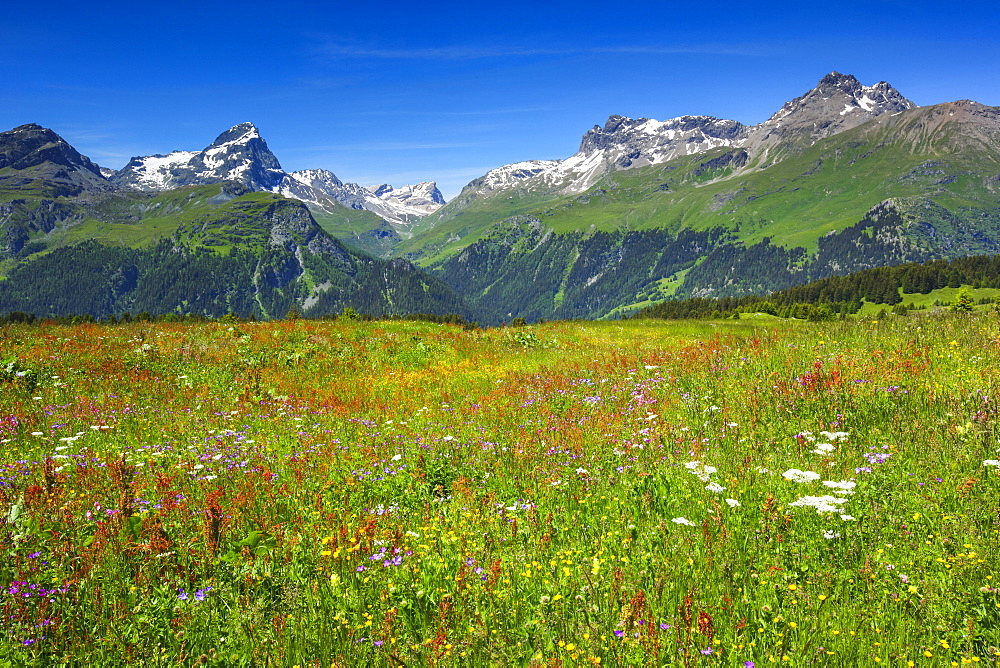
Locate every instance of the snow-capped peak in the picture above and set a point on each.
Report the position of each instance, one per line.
(238, 134)
(238, 154)
(420, 199)
(241, 154)
(510, 176)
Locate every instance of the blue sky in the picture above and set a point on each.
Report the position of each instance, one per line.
(408, 92)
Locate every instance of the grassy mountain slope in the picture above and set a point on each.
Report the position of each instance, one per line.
(948, 153)
(913, 186)
(209, 249)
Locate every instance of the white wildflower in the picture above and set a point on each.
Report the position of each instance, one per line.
(824, 448)
(842, 487)
(834, 436)
(991, 462)
(703, 471)
(796, 475)
(733, 503)
(683, 520)
(715, 488)
(822, 504)
(830, 535)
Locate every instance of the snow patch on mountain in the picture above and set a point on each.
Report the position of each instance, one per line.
(621, 143)
(321, 189)
(512, 175)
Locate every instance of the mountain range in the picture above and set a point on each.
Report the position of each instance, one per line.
(841, 178)
(240, 154)
(192, 233)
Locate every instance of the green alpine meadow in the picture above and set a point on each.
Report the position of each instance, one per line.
(640, 492)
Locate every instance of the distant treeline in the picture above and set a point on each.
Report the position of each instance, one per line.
(293, 314)
(171, 277)
(828, 297)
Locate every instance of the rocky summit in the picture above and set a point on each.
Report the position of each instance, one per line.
(37, 157)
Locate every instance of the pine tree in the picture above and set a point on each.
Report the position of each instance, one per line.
(962, 302)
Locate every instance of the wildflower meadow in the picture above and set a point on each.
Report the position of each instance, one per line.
(308, 493)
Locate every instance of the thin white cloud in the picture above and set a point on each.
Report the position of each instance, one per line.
(383, 146)
(499, 111)
(463, 52)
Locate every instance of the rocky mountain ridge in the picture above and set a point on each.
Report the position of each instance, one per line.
(240, 154)
(401, 207)
(837, 103)
(34, 157)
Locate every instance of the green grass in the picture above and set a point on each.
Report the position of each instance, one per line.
(942, 297)
(386, 493)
